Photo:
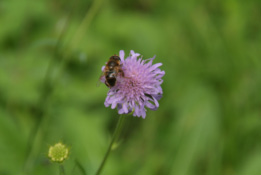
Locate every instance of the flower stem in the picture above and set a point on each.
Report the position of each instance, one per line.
(114, 138)
(61, 169)
(76, 40)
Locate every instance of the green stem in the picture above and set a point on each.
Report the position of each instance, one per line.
(114, 138)
(85, 23)
(81, 168)
(78, 36)
(61, 169)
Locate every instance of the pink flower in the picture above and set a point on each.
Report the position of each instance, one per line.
(139, 88)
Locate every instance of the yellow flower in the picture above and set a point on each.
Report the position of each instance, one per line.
(58, 153)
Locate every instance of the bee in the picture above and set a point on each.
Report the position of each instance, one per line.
(112, 70)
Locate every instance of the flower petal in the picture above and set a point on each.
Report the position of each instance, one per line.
(124, 107)
(155, 66)
(133, 54)
(121, 55)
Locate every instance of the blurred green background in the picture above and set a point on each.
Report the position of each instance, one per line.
(209, 119)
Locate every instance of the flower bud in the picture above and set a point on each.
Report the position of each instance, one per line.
(58, 153)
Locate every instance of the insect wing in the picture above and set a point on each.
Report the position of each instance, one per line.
(101, 80)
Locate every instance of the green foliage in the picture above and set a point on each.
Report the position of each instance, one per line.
(208, 122)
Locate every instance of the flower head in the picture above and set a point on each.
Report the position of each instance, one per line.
(58, 153)
(139, 88)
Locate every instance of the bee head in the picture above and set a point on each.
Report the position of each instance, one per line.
(115, 57)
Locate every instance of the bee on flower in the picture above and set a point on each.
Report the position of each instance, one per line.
(135, 84)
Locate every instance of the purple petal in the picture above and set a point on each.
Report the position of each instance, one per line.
(156, 102)
(124, 107)
(113, 105)
(155, 66)
(158, 96)
(120, 111)
(150, 105)
(122, 54)
(133, 54)
(143, 113)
